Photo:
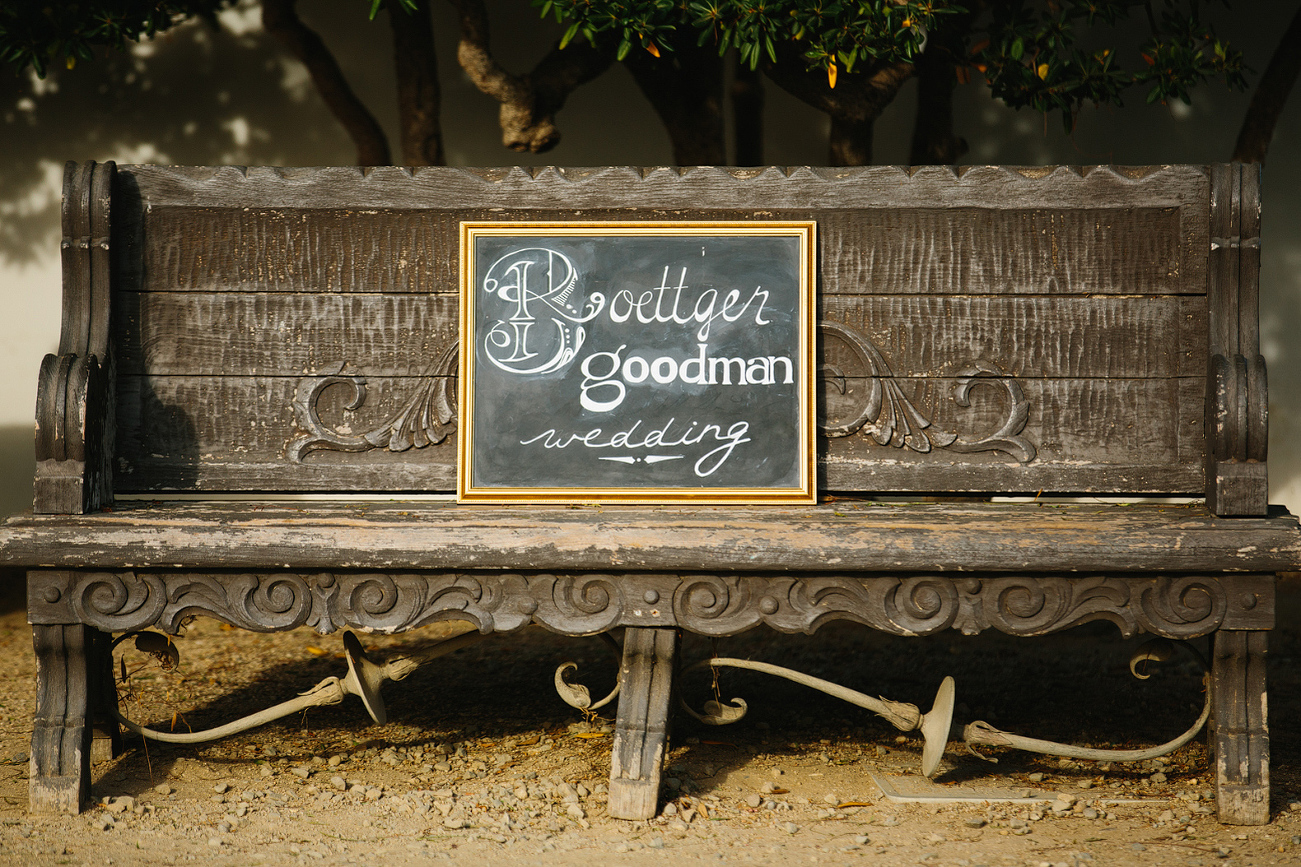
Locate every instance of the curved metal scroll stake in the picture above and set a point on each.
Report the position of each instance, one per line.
(1157, 650)
(934, 725)
(364, 679)
(578, 696)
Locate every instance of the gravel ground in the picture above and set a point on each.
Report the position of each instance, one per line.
(482, 762)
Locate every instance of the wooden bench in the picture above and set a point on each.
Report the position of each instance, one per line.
(1018, 337)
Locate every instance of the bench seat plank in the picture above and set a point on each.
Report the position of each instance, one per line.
(841, 536)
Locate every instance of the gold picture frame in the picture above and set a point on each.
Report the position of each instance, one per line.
(637, 362)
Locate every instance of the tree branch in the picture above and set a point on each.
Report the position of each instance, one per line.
(854, 105)
(419, 96)
(747, 115)
(1271, 95)
(933, 141)
(281, 20)
(529, 102)
(685, 87)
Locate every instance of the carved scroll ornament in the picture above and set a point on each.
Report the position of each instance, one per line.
(1174, 606)
(427, 418)
(890, 418)
(887, 414)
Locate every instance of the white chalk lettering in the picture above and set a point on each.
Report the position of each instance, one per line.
(612, 373)
(670, 435)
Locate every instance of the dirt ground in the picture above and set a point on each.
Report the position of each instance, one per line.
(482, 762)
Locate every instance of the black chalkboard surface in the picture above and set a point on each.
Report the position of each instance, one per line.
(637, 362)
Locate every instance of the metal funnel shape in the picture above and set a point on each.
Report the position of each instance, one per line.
(935, 726)
(365, 677)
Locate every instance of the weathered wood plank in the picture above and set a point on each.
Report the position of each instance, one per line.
(627, 186)
(1043, 336)
(282, 334)
(1171, 605)
(921, 250)
(840, 537)
(1090, 435)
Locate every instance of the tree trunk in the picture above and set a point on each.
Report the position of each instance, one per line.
(854, 104)
(419, 98)
(1270, 96)
(685, 87)
(281, 20)
(529, 102)
(933, 141)
(747, 114)
(851, 142)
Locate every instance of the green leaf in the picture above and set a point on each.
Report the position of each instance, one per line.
(624, 47)
(570, 34)
(1018, 48)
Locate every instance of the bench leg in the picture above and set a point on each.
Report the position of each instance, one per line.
(106, 734)
(1239, 728)
(60, 764)
(641, 730)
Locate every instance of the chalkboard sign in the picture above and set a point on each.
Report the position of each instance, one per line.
(637, 362)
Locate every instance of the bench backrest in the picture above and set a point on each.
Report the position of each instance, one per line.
(990, 330)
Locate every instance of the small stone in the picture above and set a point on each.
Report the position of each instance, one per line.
(216, 842)
(976, 822)
(267, 772)
(670, 810)
(777, 772)
(1036, 777)
(1089, 813)
(163, 789)
(302, 771)
(1167, 816)
(120, 805)
(455, 824)
(1158, 777)
(831, 799)
(753, 801)
(790, 828)
(221, 788)
(862, 840)
(656, 842)
(768, 788)
(223, 827)
(575, 812)
(1086, 784)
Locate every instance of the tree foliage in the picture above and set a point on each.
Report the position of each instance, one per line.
(1031, 54)
(848, 58)
(34, 33)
